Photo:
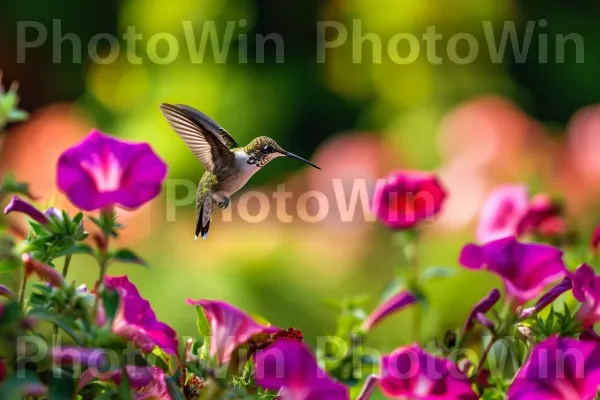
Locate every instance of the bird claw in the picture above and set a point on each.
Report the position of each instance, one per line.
(224, 203)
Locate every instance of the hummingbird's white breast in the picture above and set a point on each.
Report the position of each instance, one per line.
(244, 172)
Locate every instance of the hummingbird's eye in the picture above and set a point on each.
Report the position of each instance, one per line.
(268, 149)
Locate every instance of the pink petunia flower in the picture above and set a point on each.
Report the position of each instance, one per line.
(411, 373)
(508, 211)
(147, 383)
(102, 171)
(525, 268)
(586, 289)
(502, 212)
(136, 321)
(388, 307)
(558, 369)
(407, 198)
(230, 328)
(289, 367)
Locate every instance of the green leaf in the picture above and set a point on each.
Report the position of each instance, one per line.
(174, 390)
(203, 326)
(77, 248)
(110, 300)
(17, 115)
(62, 385)
(128, 256)
(125, 386)
(434, 273)
(58, 320)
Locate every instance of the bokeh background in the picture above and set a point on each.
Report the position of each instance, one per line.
(476, 125)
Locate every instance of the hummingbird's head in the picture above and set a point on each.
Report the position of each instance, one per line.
(264, 149)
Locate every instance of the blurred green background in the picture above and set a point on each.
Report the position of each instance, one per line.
(476, 124)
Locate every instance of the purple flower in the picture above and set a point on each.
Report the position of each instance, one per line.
(390, 306)
(586, 289)
(19, 205)
(484, 305)
(411, 373)
(525, 268)
(559, 369)
(79, 356)
(548, 298)
(289, 367)
(6, 292)
(502, 212)
(230, 328)
(407, 198)
(136, 321)
(103, 171)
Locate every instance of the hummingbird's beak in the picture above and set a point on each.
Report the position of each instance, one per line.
(288, 154)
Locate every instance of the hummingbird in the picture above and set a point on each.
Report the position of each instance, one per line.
(228, 165)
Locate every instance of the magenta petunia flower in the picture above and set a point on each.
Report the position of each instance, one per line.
(136, 321)
(586, 289)
(543, 217)
(102, 171)
(558, 369)
(17, 204)
(411, 373)
(481, 307)
(289, 367)
(502, 212)
(525, 268)
(388, 307)
(407, 198)
(230, 328)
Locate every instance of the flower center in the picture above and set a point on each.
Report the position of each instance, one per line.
(105, 171)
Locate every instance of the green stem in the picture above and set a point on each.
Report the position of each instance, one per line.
(99, 289)
(22, 290)
(485, 354)
(66, 266)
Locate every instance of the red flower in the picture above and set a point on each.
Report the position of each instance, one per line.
(407, 198)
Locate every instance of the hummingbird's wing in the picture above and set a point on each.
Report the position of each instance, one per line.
(204, 143)
(203, 120)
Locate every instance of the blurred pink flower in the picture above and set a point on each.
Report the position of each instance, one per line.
(230, 328)
(586, 289)
(509, 212)
(525, 268)
(102, 171)
(559, 369)
(289, 367)
(584, 141)
(393, 304)
(595, 239)
(407, 198)
(411, 373)
(502, 212)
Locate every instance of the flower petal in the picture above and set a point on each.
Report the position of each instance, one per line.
(17, 204)
(390, 306)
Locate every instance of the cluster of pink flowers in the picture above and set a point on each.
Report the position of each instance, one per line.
(102, 172)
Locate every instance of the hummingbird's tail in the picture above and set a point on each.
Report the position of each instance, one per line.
(201, 230)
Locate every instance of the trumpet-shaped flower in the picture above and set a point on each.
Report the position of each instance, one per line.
(586, 289)
(558, 369)
(289, 367)
(136, 321)
(407, 198)
(103, 171)
(230, 328)
(525, 268)
(388, 307)
(411, 373)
